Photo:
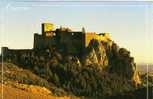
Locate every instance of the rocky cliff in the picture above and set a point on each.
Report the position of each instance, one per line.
(102, 70)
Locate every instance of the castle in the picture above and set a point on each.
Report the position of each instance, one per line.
(73, 42)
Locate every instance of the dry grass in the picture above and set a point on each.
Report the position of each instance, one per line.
(20, 83)
(10, 92)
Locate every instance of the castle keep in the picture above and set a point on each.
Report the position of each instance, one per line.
(71, 42)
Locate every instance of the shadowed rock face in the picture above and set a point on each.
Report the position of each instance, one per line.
(102, 70)
(122, 63)
(115, 59)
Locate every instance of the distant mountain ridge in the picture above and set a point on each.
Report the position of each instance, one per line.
(144, 68)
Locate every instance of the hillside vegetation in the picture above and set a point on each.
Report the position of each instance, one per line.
(101, 71)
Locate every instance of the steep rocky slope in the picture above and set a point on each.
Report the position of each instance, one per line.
(14, 76)
(102, 70)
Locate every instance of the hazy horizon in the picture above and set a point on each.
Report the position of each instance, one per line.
(129, 25)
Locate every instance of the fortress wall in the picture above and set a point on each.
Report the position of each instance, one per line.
(41, 42)
(6, 51)
(50, 41)
(65, 37)
(38, 41)
(72, 41)
(77, 41)
(65, 40)
(92, 35)
(14, 54)
(88, 37)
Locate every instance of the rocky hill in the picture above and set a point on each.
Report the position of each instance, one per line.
(22, 83)
(101, 71)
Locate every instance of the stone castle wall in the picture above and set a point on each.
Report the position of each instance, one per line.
(41, 42)
(71, 40)
(92, 35)
(15, 54)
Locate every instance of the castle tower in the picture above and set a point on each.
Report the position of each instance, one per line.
(83, 30)
(47, 29)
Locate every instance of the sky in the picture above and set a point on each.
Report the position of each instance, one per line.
(130, 24)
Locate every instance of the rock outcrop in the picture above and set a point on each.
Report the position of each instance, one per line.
(123, 64)
(102, 70)
(96, 54)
